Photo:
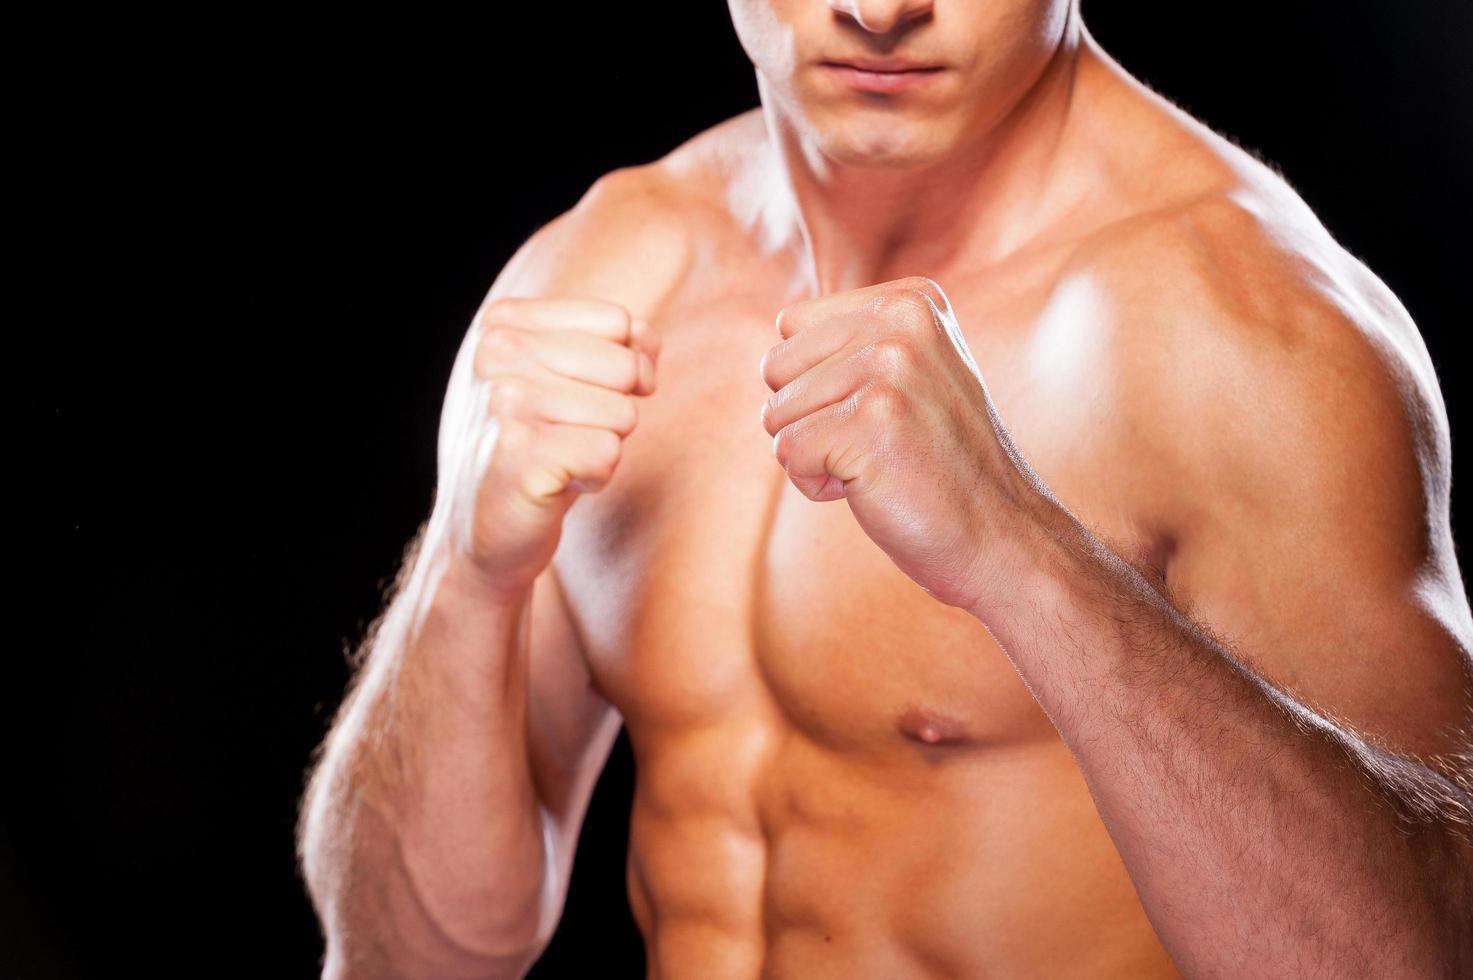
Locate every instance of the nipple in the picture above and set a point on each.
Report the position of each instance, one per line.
(930, 727)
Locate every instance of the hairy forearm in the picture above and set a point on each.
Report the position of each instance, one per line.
(422, 834)
(1263, 840)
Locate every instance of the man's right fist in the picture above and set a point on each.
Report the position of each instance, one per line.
(543, 397)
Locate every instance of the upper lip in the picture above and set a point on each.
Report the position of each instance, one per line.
(880, 64)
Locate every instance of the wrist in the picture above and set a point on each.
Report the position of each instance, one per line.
(446, 565)
(446, 584)
(472, 580)
(457, 626)
(1029, 572)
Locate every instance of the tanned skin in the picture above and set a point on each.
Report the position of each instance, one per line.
(1033, 559)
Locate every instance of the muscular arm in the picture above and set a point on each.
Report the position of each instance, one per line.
(1283, 766)
(438, 829)
(429, 843)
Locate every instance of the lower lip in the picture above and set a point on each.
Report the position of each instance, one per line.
(881, 81)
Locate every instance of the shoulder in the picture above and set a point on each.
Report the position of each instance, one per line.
(1268, 389)
(635, 232)
(1241, 315)
(625, 241)
(1298, 457)
(1261, 352)
(1218, 270)
(1284, 427)
(1291, 444)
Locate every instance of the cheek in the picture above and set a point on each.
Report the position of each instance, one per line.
(1012, 43)
(764, 29)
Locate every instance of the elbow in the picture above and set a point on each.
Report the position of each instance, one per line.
(396, 903)
(379, 919)
(364, 955)
(415, 948)
(492, 917)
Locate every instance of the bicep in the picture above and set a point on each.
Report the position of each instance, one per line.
(1384, 656)
(1321, 553)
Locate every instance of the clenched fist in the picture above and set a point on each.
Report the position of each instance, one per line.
(543, 396)
(877, 400)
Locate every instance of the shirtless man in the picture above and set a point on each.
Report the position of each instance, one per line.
(1062, 587)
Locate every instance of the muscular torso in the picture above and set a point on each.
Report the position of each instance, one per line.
(838, 775)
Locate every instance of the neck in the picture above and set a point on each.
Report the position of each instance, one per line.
(990, 195)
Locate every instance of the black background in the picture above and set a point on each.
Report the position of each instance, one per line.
(266, 236)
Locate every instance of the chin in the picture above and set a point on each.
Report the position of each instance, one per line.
(881, 143)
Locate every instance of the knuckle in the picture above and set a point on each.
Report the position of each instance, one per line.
(481, 365)
(925, 287)
(500, 344)
(495, 347)
(509, 396)
(879, 401)
(892, 298)
(513, 438)
(894, 357)
(905, 306)
(500, 311)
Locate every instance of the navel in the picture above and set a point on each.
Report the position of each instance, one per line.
(930, 727)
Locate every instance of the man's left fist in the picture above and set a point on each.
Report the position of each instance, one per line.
(877, 399)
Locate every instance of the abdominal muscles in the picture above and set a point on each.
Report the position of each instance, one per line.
(755, 852)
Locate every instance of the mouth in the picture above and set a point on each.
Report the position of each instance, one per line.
(883, 75)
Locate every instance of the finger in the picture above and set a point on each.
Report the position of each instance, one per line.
(797, 317)
(818, 451)
(831, 380)
(550, 397)
(576, 355)
(816, 328)
(845, 328)
(599, 317)
(793, 319)
(584, 458)
(571, 458)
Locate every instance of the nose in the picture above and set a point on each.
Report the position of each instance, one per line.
(882, 16)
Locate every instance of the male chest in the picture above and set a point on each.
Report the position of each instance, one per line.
(707, 587)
